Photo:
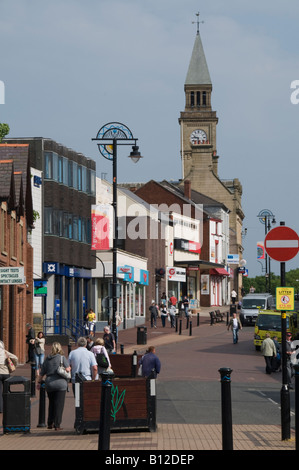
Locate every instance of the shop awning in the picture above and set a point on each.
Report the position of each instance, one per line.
(219, 272)
(201, 264)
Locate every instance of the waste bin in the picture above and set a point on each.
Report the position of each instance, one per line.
(16, 405)
(141, 334)
(233, 309)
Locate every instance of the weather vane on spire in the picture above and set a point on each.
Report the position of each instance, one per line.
(197, 22)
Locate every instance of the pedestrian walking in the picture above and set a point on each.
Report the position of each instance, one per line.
(154, 313)
(90, 342)
(269, 352)
(164, 314)
(186, 306)
(234, 296)
(172, 312)
(150, 363)
(39, 351)
(277, 359)
(289, 365)
(82, 361)
(4, 369)
(109, 340)
(99, 348)
(30, 340)
(235, 326)
(91, 321)
(56, 385)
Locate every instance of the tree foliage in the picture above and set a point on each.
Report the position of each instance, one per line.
(259, 282)
(4, 130)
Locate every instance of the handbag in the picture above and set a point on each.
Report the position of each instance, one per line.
(62, 371)
(139, 372)
(10, 365)
(102, 360)
(38, 349)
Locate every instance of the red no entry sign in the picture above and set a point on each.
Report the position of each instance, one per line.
(282, 243)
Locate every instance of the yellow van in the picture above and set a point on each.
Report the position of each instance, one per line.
(269, 321)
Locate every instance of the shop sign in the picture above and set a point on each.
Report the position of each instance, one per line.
(187, 245)
(144, 276)
(176, 274)
(233, 259)
(10, 275)
(40, 288)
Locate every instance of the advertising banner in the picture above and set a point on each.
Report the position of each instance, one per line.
(101, 215)
(260, 250)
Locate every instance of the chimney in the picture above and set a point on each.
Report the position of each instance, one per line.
(187, 189)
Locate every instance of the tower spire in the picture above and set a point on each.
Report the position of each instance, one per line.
(198, 72)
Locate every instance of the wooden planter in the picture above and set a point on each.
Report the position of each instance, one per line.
(124, 365)
(133, 404)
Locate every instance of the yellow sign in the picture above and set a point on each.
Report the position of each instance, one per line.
(285, 298)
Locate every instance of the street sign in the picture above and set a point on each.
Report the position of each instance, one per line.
(282, 243)
(285, 298)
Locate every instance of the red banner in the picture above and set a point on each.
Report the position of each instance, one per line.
(100, 227)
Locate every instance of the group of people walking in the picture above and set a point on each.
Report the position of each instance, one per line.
(83, 360)
(271, 350)
(167, 310)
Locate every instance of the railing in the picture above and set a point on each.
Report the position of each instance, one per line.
(72, 328)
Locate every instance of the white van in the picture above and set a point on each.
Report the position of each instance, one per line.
(251, 304)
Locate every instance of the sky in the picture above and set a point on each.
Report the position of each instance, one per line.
(68, 67)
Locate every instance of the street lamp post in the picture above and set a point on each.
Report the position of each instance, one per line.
(109, 137)
(267, 218)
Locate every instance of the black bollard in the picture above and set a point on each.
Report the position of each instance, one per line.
(190, 328)
(33, 379)
(180, 328)
(105, 412)
(176, 324)
(226, 409)
(197, 318)
(121, 349)
(42, 405)
(296, 369)
(187, 322)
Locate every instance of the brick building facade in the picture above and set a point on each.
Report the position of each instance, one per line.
(16, 218)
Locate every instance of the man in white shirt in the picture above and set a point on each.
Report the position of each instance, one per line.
(82, 361)
(235, 326)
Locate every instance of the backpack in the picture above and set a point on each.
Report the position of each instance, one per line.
(102, 360)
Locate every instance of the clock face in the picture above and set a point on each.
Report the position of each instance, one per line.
(198, 135)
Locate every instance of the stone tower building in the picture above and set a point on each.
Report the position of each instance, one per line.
(198, 124)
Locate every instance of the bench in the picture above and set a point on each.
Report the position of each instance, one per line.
(219, 315)
(216, 317)
(213, 318)
(125, 365)
(133, 404)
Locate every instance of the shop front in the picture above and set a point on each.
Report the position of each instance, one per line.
(209, 281)
(132, 278)
(68, 296)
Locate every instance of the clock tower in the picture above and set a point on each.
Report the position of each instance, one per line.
(198, 121)
(199, 156)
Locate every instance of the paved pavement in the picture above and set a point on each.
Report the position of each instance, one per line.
(187, 438)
